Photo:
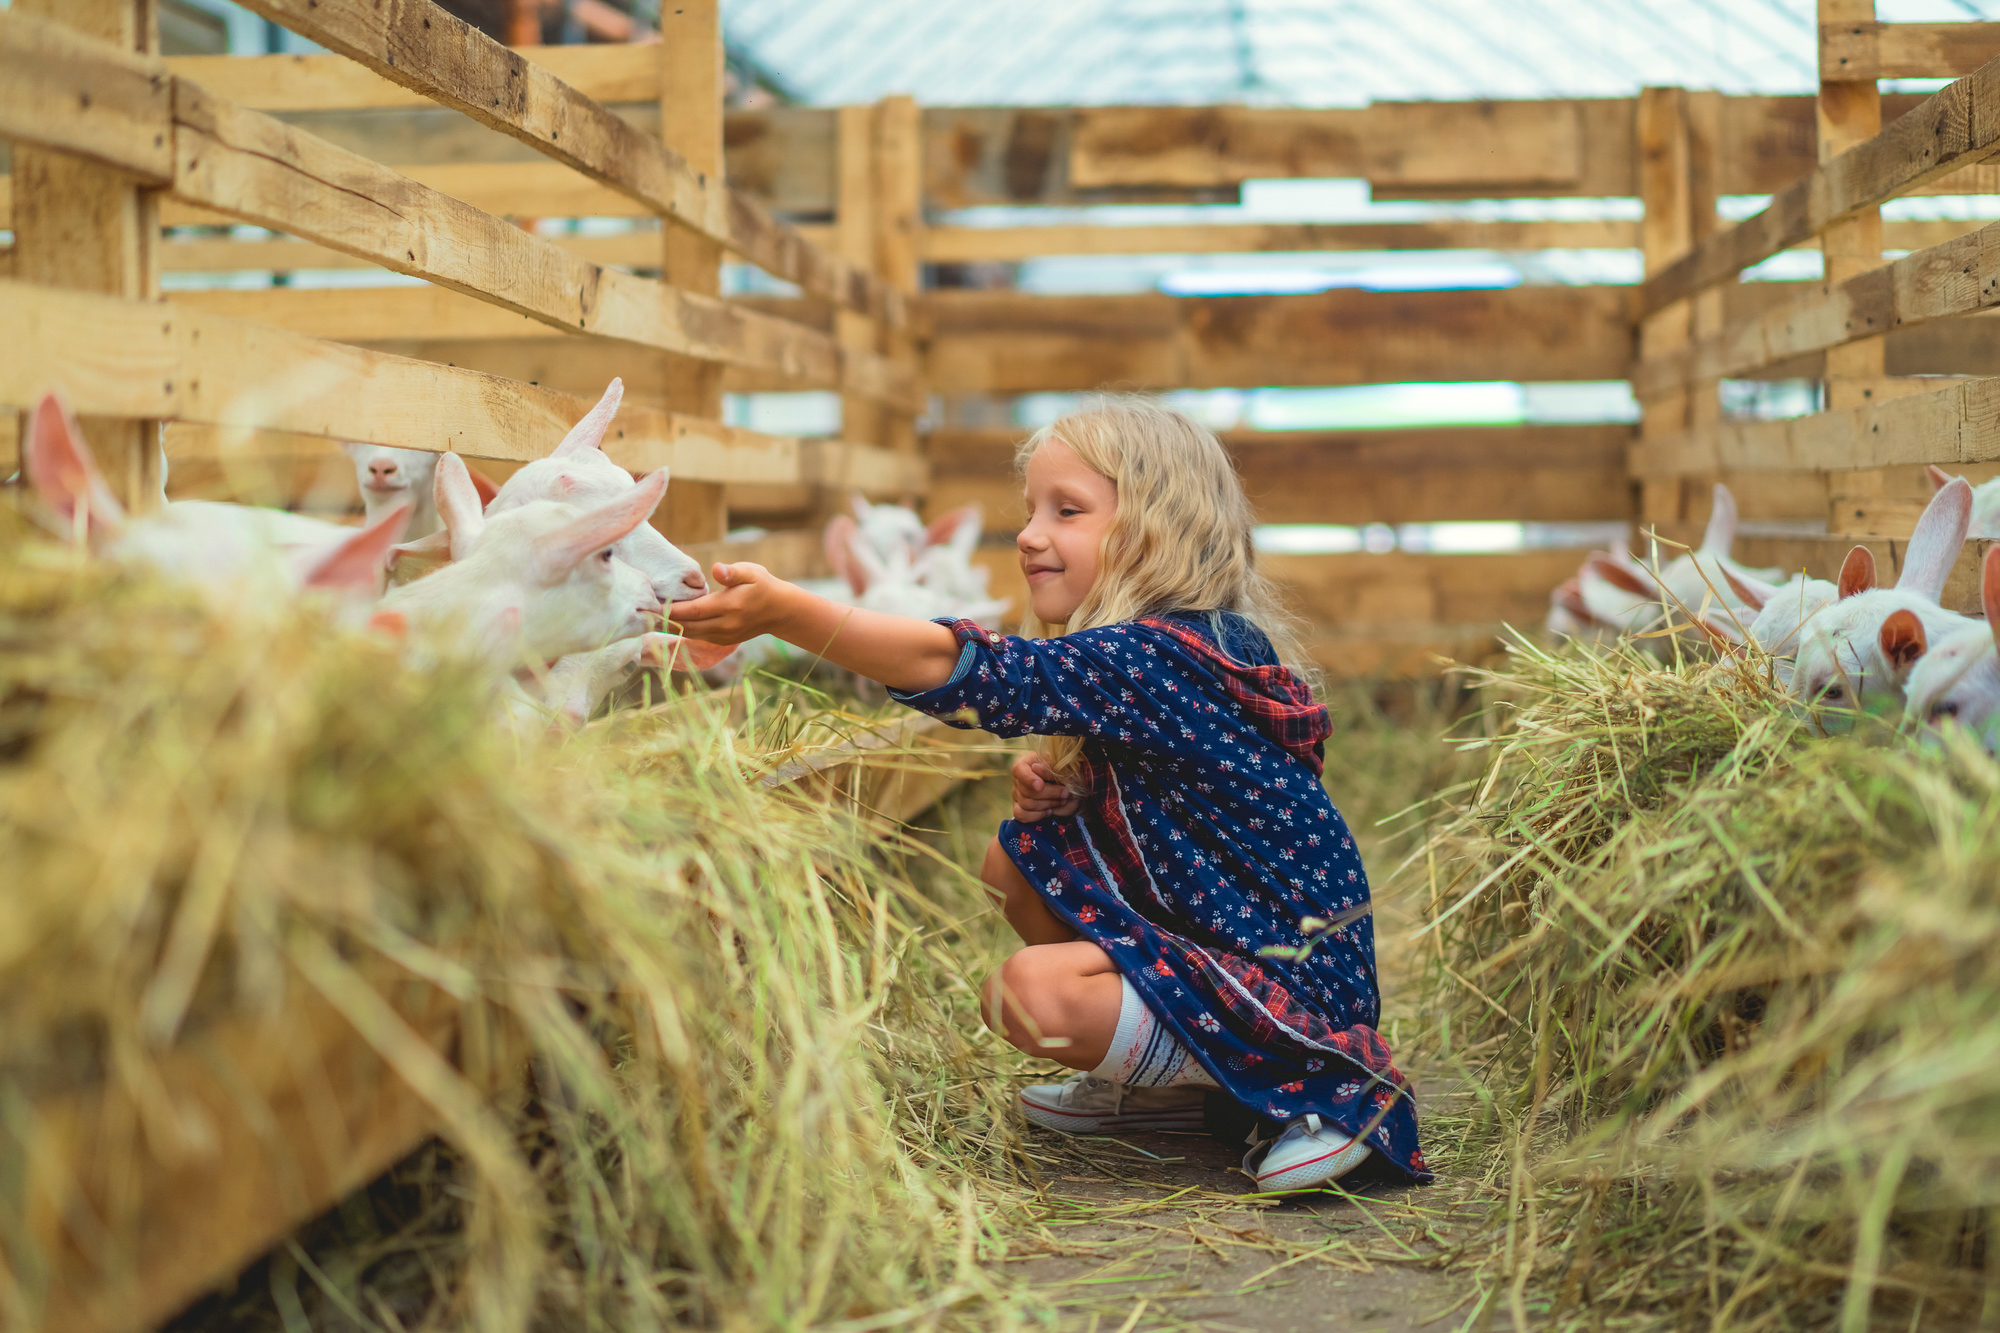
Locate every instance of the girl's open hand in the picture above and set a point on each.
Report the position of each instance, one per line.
(1038, 793)
(749, 601)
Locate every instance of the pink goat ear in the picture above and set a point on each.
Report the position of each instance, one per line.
(1939, 478)
(1902, 640)
(64, 472)
(1753, 592)
(355, 566)
(1621, 578)
(942, 528)
(1989, 588)
(841, 532)
(483, 484)
(1857, 572)
(392, 623)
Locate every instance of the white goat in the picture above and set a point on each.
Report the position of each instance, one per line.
(219, 546)
(577, 472)
(1613, 594)
(1985, 521)
(1842, 656)
(1957, 683)
(530, 585)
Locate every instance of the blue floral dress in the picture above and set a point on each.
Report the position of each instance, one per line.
(1206, 858)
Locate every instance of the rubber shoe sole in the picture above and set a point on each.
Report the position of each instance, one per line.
(1065, 1121)
(1314, 1170)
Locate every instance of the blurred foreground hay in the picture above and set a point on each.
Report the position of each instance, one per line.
(695, 1052)
(1729, 997)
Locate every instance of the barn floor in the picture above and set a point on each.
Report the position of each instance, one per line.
(1153, 1232)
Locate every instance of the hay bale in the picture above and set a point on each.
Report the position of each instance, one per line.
(693, 1052)
(1730, 993)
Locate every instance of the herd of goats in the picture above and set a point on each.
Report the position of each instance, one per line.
(559, 568)
(1850, 645)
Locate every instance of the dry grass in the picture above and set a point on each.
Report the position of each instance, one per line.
(752, 1096)
(1726, 996)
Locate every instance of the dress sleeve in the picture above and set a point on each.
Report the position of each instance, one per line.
(1123, 683)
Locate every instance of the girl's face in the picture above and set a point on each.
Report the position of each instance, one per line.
(1069, 511)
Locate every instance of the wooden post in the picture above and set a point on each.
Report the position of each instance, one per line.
(691, 124)
(899, 225)
(81, 225)
(1676, 189)
(1850, 112)
(855, 240)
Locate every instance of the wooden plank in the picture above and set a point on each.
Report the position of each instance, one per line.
(1359, 594)
(1480, 473)
(962, 245)
(296, 1111)
(897, 214)
(1956, 424)
(260, 170)
(1864, 50)
(130, 358)
(1412, 145)
(424, 48)
(1956, 127)
(117, 102)
(223, 254)
(1960, 277)
(640, 249)
(854, 242)
(690, 95)
(83, 222)
(603, 72)
(1006, 342)
(255, 168)
(1821, 557)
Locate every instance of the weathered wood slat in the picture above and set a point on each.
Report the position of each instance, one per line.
(1004, 342)
(116, 104)
(1511, 473)
(976, 244)
(1956, 424)
(422, 47)
(251, 166)
(1956, 127)
(603, 72)
(117, 357)
(1410, 145)
(1959, 277)
(1865, 51)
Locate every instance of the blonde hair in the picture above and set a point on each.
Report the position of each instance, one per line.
(1180, 539)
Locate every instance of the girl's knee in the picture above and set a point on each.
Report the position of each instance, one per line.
(1049, 1000)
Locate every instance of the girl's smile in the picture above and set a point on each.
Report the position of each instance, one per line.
(1070, 508)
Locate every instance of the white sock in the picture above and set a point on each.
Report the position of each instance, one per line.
(1144, 1054)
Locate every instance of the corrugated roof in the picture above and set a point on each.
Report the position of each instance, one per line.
(1284, 52)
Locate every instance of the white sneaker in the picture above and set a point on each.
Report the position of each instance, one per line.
(1309, 1152)
(1086, 1104)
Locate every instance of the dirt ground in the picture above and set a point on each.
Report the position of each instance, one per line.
(1164, 1231)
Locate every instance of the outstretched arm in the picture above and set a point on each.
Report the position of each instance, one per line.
(903, 653)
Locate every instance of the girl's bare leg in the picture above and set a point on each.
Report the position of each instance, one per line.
(1019, 903)
(1058, 1001)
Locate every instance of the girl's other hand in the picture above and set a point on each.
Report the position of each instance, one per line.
(748, 602)
(1038, 793)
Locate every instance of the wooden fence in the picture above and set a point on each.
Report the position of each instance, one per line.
(419, 146)
(1899, 363)
(293, 143)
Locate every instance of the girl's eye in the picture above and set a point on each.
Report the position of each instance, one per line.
(1069, 511)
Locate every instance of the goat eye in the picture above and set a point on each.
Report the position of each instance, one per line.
(1945, 709)
(605, 555)
(1834, 694)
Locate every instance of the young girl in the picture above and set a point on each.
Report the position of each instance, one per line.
(1193, 911)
